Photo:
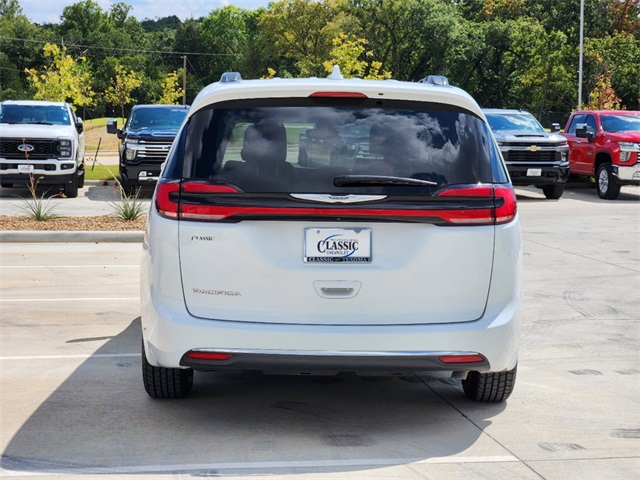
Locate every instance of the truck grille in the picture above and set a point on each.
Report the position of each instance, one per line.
(155, 151)
(41, 149)
(528, 156)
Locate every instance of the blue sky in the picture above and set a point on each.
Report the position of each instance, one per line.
(49, 11)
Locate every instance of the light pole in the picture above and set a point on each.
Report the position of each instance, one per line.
(580, 65)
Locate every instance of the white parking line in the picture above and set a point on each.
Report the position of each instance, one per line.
(75, 299)
(83, 356)
(373, 462)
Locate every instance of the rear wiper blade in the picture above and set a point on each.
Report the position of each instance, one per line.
(354, 180)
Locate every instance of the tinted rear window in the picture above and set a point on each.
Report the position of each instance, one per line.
(279, 148)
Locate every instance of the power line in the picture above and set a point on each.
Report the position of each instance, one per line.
(123, 49)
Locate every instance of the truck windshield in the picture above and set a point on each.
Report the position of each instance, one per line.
(521, 122)
(157, 118)
(35, 114)
(621, 123)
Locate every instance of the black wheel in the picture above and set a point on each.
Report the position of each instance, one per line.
(81, 180)
(6, 184)
(553, 192)
(128, 187)
(71, 188)
(160, 382)
(606, 184)
(489, 387)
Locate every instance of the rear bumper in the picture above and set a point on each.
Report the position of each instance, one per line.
(169, 332)
(333, 362)
(550, 174)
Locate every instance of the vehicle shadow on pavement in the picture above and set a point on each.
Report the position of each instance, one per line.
(111, 193)
(100, 420)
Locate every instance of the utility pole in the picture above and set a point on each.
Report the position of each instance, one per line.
(580, 66)
(184, 79)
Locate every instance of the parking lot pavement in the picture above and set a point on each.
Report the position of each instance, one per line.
(72, 401)
(93, 199)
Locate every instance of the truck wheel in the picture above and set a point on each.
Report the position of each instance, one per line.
(489, 387)
(81, 180)
(71, 188)
(553, 192)
(160, 382)
(607, 185)
(128, 188)
(6, 184)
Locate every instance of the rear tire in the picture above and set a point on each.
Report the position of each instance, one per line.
(6, 184)
(553, 192)
(491, 386)
(81, 180)
(71, 188)
(160, 382)
(606, 184)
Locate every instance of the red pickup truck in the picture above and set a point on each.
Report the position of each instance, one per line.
(605, 144)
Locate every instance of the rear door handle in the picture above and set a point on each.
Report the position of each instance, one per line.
(336, 289)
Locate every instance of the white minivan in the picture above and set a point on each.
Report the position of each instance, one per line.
(320, 226)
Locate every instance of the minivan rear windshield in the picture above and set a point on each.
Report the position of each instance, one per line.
(280, 147)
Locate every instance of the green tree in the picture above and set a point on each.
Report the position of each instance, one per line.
(619, 55)
(412, 38)
(171, 92)
(350, 54)
(10, 8)
(63, 79)
(17, 55)
(543, 79)
(122, 87)
(302, 31)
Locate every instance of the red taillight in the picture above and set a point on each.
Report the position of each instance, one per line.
(475, 191)
(501, 194)
(338, 95)
(202, 187)
(462, 359)
(507, 211)
(214, 356)
(470, 216)
(165, 206)
(478, 216)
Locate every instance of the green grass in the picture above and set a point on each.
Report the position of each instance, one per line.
(102, 122)
(100, 172)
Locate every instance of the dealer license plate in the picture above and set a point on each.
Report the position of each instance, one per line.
(534, 172)
(25, 168)
(337, 245)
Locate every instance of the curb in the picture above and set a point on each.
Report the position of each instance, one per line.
(32, 236)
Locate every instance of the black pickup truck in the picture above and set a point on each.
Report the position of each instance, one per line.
(146, 139)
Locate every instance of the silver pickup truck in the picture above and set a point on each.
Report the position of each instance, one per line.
(532, 155)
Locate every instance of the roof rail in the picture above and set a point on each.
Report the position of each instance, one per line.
(230, 77)
(437, 80)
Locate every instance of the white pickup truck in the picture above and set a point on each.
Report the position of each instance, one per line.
(43, 140)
